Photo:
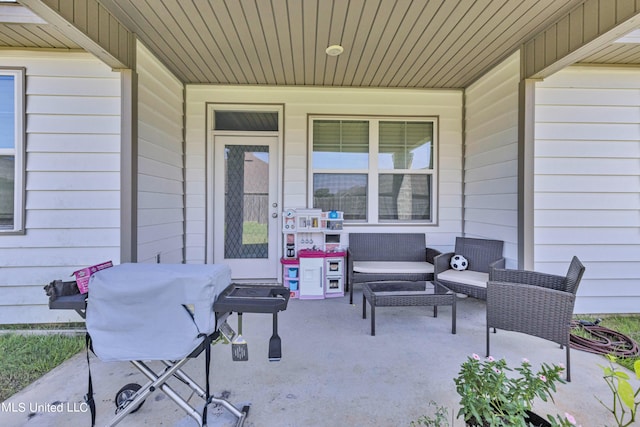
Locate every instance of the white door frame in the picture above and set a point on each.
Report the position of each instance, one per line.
(210, 162)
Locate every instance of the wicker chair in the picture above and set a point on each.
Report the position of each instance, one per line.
(481, 254)
(532, 303)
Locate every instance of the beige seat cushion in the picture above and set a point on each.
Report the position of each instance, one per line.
(393, 267)
(468, 277)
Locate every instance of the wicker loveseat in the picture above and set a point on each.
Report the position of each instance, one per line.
(373, 257)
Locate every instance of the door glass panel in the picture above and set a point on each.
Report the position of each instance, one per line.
(246, 201)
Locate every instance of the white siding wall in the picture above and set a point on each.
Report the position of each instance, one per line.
(298, 103)
(72, 178)
(491, 157)
(160, 161)
(587, 183)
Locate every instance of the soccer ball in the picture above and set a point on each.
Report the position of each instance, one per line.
(458, 262)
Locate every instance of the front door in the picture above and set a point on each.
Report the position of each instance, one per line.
(245, 232)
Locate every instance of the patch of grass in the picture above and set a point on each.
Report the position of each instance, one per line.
(42, 326)
(254, 233)
(24, 359)
(628, 325)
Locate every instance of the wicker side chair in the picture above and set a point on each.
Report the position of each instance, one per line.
(533, 303)
(481, 254)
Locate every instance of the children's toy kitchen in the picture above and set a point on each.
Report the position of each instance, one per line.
(313, 262)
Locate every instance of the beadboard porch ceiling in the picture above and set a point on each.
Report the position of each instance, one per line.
(387, 43)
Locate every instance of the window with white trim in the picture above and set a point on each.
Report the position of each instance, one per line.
(11, 149)
(376, 170)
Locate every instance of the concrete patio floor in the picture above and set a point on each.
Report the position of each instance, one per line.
(332, 372)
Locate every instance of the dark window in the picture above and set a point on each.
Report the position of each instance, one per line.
(246, 120)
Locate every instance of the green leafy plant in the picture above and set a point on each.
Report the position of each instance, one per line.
(439, 419)
(493, 394)
(625, 400)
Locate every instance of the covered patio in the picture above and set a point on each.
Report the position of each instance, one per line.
(332, 373)
(118, 158)
(534, 106)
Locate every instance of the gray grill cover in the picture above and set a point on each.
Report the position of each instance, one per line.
(137, 311)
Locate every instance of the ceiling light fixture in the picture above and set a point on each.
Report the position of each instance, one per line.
(334, 50)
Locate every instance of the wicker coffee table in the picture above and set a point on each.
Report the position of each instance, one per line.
(398, 294)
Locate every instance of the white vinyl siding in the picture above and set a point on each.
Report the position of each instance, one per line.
(160, 162)
(587, 183)
(299, 103)
(491, 158)
(72, 180)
